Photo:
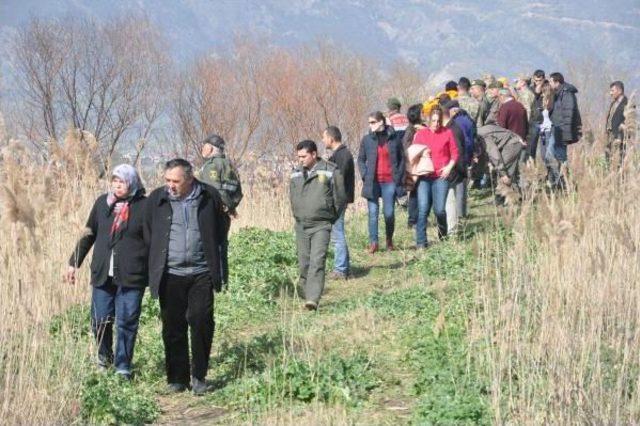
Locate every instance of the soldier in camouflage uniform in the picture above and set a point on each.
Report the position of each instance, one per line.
(218, 172)
(466, 101)
(317, 196)
(523, 94)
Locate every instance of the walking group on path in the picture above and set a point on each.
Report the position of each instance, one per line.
(474, 134)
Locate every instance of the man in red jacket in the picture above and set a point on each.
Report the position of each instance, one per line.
(512, 115)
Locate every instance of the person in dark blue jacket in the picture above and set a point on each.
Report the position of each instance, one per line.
(381, 162)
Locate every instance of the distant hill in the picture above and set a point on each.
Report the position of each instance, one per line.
(445, 38)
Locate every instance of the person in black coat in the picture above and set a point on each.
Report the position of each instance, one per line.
(381, 162)
(184, 227)
(341, 156)
(118, 268)
(615, 120)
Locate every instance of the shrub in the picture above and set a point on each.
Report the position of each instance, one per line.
(109, 399)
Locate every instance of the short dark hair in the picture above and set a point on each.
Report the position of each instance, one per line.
(557, 77)
(443, 99)
(180, 162)
(618, 84)
(334, 133)
(538, 73)
(414, 114)
(308, 145)
(377, 115)
(451, 85)
(464, 83)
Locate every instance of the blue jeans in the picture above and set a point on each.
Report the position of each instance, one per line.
(341, 251)
(554, 157)
(388, 193)
(109, 302)
(431, 192)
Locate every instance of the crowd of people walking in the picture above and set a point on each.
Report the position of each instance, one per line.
(474, 134)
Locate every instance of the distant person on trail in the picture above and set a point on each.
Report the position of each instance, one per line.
(396, 119)
(185, 229)
(466, 101)
(318, 199)
(478, 88)
(503, 149)
(414, 115)
(464, 130)
(118, 268)
(381, 162)
(535, 120)
(433, 188)
(457, 177)
(616, 144)
(341, 156)
(218, 172)
(565, 116)
(511, 114)
(494, 102)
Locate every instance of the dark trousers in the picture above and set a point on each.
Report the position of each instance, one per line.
(109, 302)
(186, 302)
(412, 207)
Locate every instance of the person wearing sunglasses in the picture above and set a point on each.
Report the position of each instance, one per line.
(381, 163)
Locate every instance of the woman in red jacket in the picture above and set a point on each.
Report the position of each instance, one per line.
(432, 189)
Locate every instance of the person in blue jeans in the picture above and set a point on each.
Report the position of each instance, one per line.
(554, 150)
(381, 162)
(342, 157)
(433, 188)
(118, 268)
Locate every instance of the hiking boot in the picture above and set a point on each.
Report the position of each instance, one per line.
(177, 387)
(390, 245)
(310, 305)
(199, 387)
(373, 247)
(338, 276)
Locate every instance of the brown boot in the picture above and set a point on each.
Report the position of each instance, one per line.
(373, 247)
(390, 245)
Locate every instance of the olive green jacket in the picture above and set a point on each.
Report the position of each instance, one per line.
(318, 198)
(218, 172)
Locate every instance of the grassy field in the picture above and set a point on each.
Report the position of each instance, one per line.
(388, 346)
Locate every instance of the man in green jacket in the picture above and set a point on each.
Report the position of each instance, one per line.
(218, 172)
(317, 195)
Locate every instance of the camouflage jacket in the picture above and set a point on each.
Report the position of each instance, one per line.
(218, 172)
(526, 98)
(471, 105)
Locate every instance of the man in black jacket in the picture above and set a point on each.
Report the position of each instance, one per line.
(615, 120)
(184, 229)
(341, 156)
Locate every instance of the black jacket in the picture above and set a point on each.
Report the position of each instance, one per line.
(344, 160)
(129, 251)
(157, 225)
(617, 119)
(368, 157)
(566, 115)
(459, 171)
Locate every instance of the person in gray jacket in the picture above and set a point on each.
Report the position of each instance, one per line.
(318, 197)
(503, 147)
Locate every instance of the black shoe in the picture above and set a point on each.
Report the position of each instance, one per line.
(199, 387)
(177, 387)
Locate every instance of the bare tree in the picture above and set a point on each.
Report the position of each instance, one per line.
(108, 79)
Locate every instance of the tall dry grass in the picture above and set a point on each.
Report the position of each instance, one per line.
(44, 208)
(559, 301)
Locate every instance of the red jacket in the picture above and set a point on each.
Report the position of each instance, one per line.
(442, 145)
(512, 116)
